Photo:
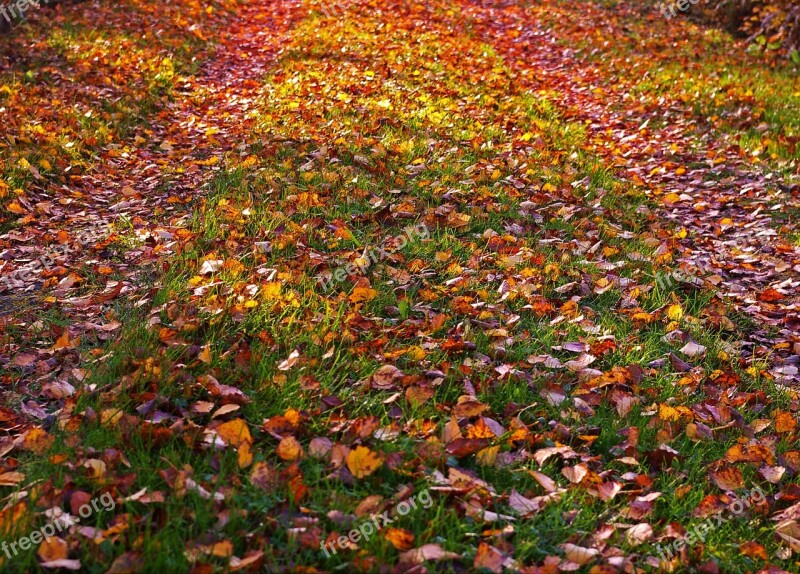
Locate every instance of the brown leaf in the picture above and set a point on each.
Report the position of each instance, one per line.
(488, 558)
(227, 393)
(789, 532)
(522, 505)
(128, 563)
(639, 534)
(469, 408)
(432, 552)
(11, 478)
(545, 481)
(575, 474)
(263, 476)
(728, 478)
(579, 554)
(386, 378)
(462, 447)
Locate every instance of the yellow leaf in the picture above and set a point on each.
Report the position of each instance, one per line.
(675, 312)
(668, 413)
(235, 432)
(362, 462)
(37, 441)
(210, 161)
(271, 291)
(362, 295)
(15, 207)
(416, 353)
(245, 455)
(488, 456)
(204, 356)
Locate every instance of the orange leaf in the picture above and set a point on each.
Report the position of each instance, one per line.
(754, 550)
(400, 538)
(53, 549)
(771, 296)
(784, 422)
(290, 449)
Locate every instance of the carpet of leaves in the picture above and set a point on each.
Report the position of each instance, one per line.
(594, 344)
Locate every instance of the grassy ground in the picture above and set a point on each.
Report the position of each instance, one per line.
(55, 132)
(239, 398)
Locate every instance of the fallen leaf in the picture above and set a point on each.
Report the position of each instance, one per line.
(362, 462)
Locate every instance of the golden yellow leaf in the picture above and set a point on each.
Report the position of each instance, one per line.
(235, 432)
(244, 455)
(675, 312)
(362, 295)
(15, 207)
(362, 462)
(37, 441)
(204, 356)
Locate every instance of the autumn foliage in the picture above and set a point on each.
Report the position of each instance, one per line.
(539, 261)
